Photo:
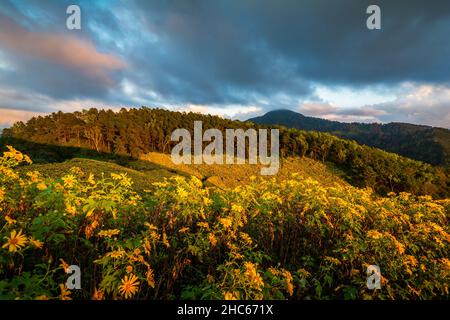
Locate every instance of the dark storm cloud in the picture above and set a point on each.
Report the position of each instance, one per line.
(266, 53)
(205, 54)
(249, 43)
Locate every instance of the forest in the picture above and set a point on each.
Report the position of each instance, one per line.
(419, 142)
(134, 132)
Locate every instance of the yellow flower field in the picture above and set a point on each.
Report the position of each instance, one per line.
(292, 239)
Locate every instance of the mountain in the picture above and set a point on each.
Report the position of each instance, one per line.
(424, 143)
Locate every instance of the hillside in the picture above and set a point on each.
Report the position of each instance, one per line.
(155, 167)
(133, 133)
(424, 143)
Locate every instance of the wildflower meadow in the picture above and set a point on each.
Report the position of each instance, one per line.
(269, 239)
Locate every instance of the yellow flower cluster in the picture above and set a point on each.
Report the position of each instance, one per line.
(17, 241)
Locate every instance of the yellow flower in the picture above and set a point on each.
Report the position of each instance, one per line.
(18, 156)
(273, 271)
(71, 209)
(69, 180)
(41, 186)
(230, 296)
(64, 265)
(289, 280)
(129, 286)
(203, 225)
(410, 261)
(91, 179)
(374, 234)
(399, 246)
(98, 295)
(237, 208)
(182, 193)
(212, 239)
(27, 159)
(184, 230)
(150, 226)
(116, 176)
(41, 297)
(129, 269)
(246, 238)
(15, 241)
(445, 264)
(36, 243)
(154, 236)
(206, 201)
(10, 220)
(109, 233)
(252, 275)
(34, 176)
(59, 187)
(150, 278)
(226, 222)
(196, 182)
(116, 254)
(65, 293)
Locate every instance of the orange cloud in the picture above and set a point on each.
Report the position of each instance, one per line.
(10, 116)
(62, 49)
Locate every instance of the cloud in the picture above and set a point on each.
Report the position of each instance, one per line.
(240, 112)
(317, 109)
(60, 49)
(24, 100)
(420, 104)
(331, 112)
(16, 105)
(415, 103)
(10, 116)
(259, 54)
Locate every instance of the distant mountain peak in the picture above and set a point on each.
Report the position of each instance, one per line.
(418, 142)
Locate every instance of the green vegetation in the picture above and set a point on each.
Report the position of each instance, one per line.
(423, 143)
(136, 132)
(142, 178)
(154, 167)
(293, 239)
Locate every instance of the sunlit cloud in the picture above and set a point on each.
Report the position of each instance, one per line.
(10, 116)
(59, 48)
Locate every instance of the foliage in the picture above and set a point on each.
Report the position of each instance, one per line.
(136, 132)
(293, 239)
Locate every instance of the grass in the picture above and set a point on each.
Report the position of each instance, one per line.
(154, 167)
(227, 175)
(141, 179)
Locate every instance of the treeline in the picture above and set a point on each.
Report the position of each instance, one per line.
(137, 131)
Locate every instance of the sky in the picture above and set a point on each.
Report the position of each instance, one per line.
(233, 58)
